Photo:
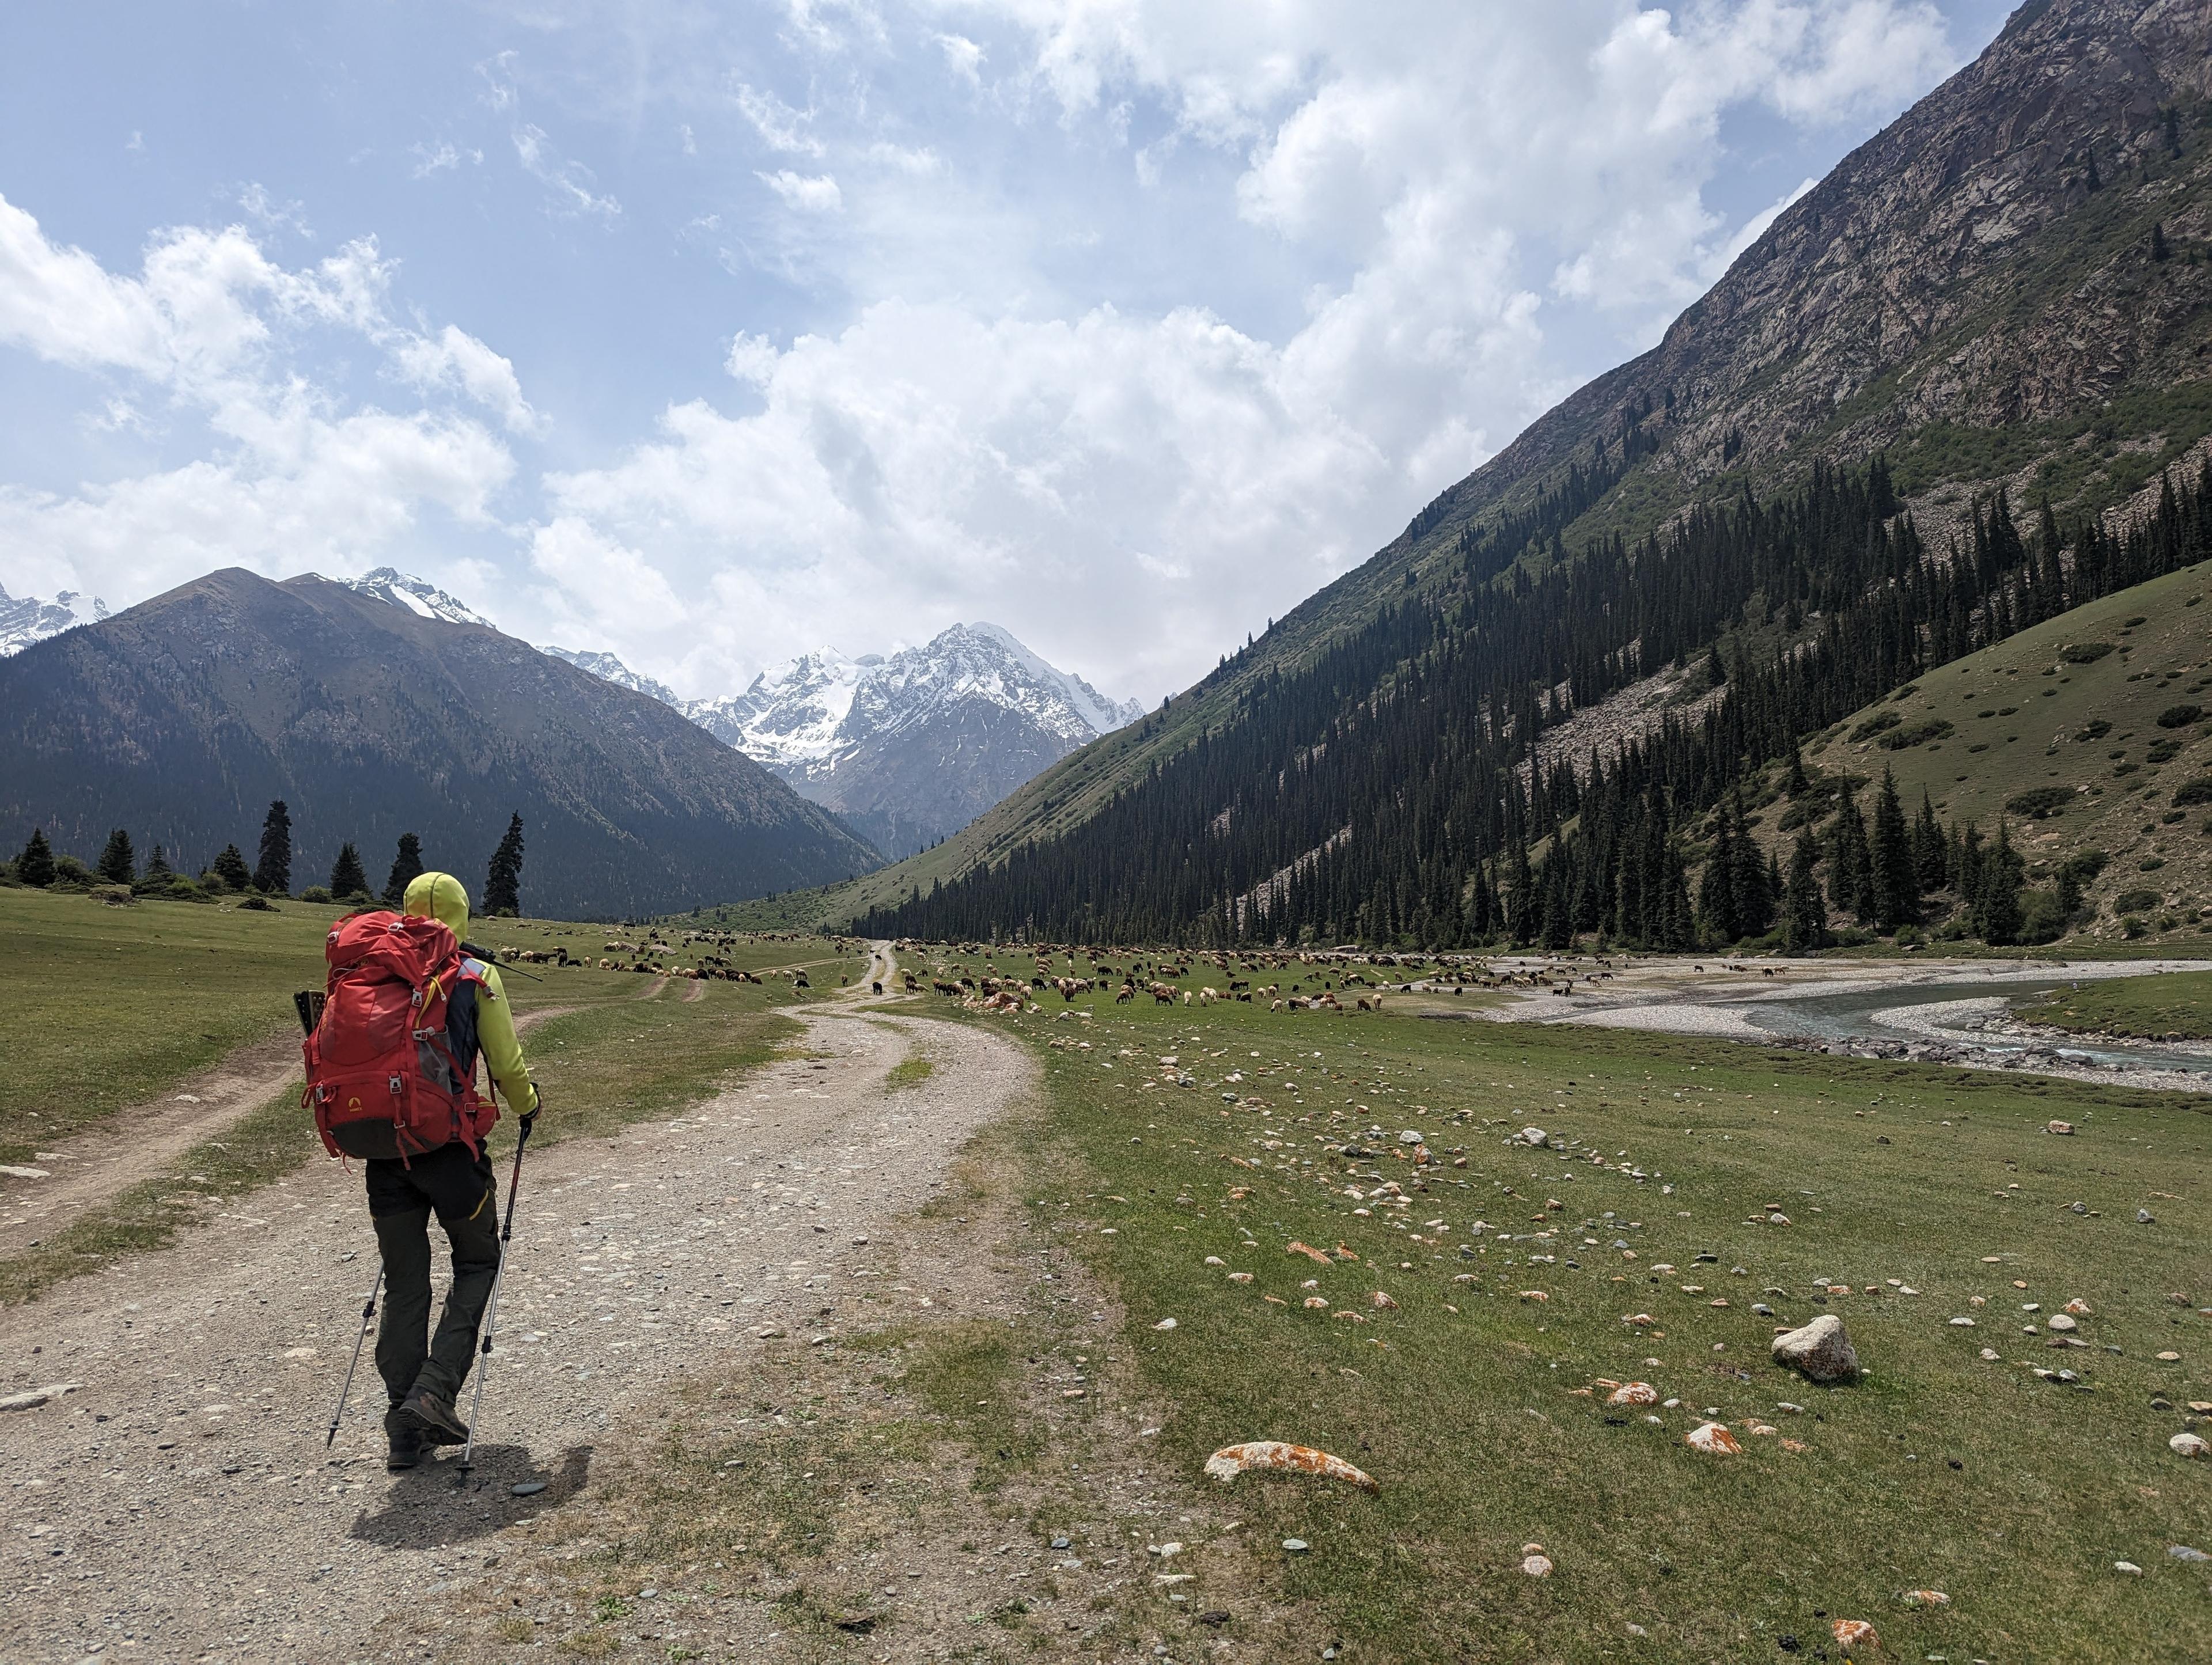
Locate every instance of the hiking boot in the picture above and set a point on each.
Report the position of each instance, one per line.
(434, 1418)
(402, 1441)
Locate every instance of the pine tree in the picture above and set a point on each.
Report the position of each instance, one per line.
(35, 866)
(158, 870)
(273, 872)
(1520, 896)
(502, 893)
(1896, 881)
(2158, 251)
(230, 867)
(118, 863)
(1804, 913)
(406, 868)
(2002, 873)
(1717, 910)
(347, 877)
(1797, 784)
(1931, 850)
(1851, 865)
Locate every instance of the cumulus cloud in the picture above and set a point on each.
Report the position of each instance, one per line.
(290, 477)
(1133, 491)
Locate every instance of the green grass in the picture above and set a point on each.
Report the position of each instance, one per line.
(107, 1005)
(2146, 1008)
(1471, 1420)
(909, 1073)
(2026, 723)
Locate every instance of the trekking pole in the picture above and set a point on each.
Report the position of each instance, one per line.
(367, 1312)
(492, 1307)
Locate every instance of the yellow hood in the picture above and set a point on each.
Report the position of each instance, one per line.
(441, 897)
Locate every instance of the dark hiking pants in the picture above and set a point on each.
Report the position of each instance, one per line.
(459, 1188)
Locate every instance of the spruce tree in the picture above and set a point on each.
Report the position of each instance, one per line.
(1804, 912)
(2000, 891)
(347, 877)
(1931, 850)
(1850, 871)
(158, 870)
(1716, 898)
(230, 867)
(1896, 883)
(35, 866)
(118, 862)
(1795, 785)
(273, 872)
(406, 868)
(1520, 896)
(502, 893)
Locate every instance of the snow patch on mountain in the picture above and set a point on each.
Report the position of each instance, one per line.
(607, 668)
(26, 619)
(417, 595)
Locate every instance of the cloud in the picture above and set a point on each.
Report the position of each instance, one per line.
(454, 358)
(288, 476)
(963, 56)
(441, 158)
(1128, 490)
(780, 127)
(816, 195)
(569, 183)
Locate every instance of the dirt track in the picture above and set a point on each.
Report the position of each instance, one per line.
(195, 1443)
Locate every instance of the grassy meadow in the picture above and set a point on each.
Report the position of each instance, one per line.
(1523, 1282)
(2142, 1008)
(116, 1006)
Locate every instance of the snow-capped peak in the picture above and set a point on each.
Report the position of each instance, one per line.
(27, 620)
(417, 595)
(608, 668)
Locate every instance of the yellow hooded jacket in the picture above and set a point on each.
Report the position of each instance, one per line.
(441, 897)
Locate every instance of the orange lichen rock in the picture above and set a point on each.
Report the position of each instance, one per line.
(1279, 1456)
(1714, 1439)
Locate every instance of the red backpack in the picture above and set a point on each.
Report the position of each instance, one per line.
(381, 1074)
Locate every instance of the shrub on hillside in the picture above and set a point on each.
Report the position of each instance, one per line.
(1876, 724)
(2134, 902)
(2162, 752)
(2042, 917)
(259, 905)
(2095, 729)
(2180, 716)
(1927, 728)
(2198, 791)
(68, 869)
(2041, 802)
(2085, 652)
(316, 894)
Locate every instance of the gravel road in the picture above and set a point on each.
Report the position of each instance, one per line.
(179, 1504)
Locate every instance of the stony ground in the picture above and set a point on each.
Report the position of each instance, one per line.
(179, 1503)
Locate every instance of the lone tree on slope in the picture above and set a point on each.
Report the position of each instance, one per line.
(273, 872)
(230, 867)
(35, 866)
(502, 891)
(347, 878)
(406, 868)
(118, 862)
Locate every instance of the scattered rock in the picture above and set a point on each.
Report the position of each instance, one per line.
(2188, 1445)
(527, 1488)
(2058, 1126)
(31, 1398)
(2059, 1320)
(1279, 1456)
(1165, 1324)
(2127, 1569)
(1714, 1439)
(1296, 1546)
(1536, 1566)
(2143, 1217)
(1633, 1393)
(1821, 1350)
(2184, 1553)
(1925, 1598)
(1853, 1633)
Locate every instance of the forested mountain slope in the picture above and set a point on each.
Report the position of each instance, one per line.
(182, 718)
(2005, 289)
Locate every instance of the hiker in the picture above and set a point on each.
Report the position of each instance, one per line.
(424, 1373)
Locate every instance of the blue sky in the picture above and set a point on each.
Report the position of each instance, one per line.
(706, 333)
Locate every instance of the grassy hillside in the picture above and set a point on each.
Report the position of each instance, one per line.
(2058, 730)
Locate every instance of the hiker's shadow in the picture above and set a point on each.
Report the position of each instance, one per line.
(425, 1508)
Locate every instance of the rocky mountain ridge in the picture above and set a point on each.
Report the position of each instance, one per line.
(25, 620)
